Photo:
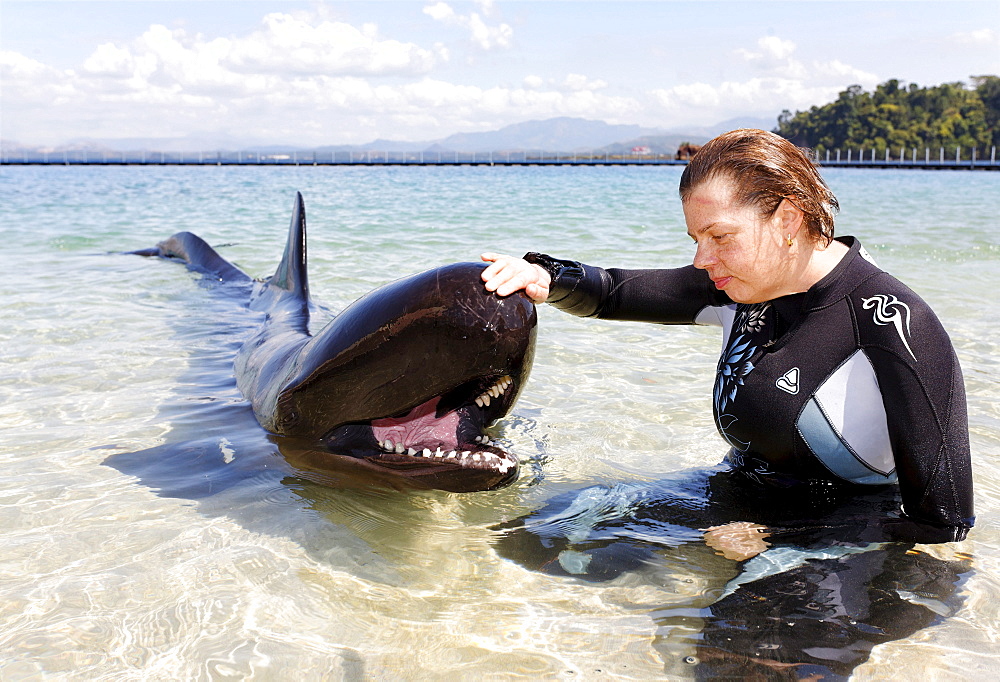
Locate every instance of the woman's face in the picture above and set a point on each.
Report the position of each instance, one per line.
(746, 256)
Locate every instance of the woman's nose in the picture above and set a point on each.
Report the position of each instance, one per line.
(703, 256)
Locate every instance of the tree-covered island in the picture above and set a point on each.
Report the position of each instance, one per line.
(899, 116)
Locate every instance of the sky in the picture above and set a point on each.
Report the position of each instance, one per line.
(320, 73)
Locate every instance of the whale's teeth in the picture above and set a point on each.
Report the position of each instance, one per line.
(438, 453)
(427, 452)
(476, 457)
(400, 449)
(411, 452)
(387, 445)
(452, 454)
(495, 391)
(465, 453)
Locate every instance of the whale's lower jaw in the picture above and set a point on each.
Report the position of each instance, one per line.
(434, 445)
(459, 474)
(456, 475)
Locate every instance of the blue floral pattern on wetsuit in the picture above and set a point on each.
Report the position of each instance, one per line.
(735, 366)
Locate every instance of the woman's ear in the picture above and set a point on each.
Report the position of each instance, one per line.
(790, 217)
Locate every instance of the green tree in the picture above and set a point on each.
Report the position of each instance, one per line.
(898, 117)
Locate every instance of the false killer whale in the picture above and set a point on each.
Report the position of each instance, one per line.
(404, 381)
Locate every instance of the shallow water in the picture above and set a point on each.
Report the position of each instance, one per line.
(254, 571)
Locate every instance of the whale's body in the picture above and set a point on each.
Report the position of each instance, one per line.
(403, 381)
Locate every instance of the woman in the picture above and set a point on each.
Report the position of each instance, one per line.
(833, 374)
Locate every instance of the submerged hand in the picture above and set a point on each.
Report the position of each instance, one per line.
(737, 541)
(507, 275)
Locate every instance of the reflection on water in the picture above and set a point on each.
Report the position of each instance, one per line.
(821, 618)
(822, 593)
(825, 591)
(591, 566)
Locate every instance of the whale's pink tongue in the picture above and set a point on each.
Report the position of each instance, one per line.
(420, 428)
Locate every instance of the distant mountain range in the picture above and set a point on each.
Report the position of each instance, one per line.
(562, 134)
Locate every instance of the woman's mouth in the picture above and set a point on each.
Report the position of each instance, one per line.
(721, 282)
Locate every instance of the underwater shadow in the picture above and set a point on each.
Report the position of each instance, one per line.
(809, 598)
(214, 452)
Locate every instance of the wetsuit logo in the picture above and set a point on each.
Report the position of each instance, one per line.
(890, 310)
(789, 381)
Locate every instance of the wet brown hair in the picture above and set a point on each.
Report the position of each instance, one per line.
(765, 168)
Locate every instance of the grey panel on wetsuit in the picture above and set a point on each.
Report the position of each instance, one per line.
(844, 424)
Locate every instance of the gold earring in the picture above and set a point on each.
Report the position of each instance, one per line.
(790, 241)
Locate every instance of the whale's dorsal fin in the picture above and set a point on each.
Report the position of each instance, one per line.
(291, 273)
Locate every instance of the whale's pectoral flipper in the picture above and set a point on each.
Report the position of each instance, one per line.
(198, 255)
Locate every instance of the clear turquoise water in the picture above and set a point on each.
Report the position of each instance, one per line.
(100, 577)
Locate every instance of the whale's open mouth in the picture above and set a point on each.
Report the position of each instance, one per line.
(443, 435)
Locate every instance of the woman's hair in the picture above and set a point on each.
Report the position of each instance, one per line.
(764, 169)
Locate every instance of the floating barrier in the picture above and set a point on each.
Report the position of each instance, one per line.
(925, 159)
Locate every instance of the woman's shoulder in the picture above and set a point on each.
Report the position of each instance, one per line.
(863, 279)
(891, 315)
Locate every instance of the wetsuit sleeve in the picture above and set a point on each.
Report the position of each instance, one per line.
(667, 296)
(924, 398)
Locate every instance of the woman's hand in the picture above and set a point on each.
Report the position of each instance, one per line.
(507, 274)
(737, 541)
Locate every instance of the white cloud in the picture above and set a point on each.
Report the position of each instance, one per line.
(312, 80)
(771, 50)
(161, 81)
(782, 81)
(578, 83)
(836, 71)
(485, 36)
(573, 82)
(16, 67)
(167, 83)
(440, 11)
(773, 56)
(986, 37)
(287, 44)
(756, 96)
(533, 82)
(284, 48)
(111, 61)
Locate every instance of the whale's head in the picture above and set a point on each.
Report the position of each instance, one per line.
(407, 379)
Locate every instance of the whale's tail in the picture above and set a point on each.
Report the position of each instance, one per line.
(287, 289)
(197, 255)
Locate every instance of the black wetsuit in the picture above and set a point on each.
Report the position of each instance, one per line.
(853, 383)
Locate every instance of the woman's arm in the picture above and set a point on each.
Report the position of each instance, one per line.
(924, 398)
(665, 296)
